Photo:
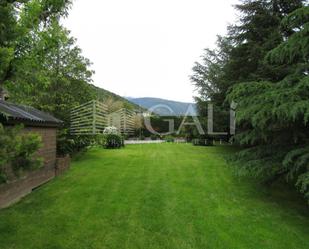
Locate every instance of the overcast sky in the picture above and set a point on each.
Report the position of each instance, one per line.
(146, 48)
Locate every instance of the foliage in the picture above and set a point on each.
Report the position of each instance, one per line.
(41, 65)
(274, 117)
(209, 75)
(169, 139)
(111, 138)
(65, 144)
(154, 137)
(113, 101)
(239, 56)
(19, 21)
(111, 130)
(51, 75)
(69, 144)
(18, 151)
(161, 124)
(265, 71)
(112, 141)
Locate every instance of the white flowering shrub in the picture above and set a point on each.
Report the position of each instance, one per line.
(111, 130)
(112, 138)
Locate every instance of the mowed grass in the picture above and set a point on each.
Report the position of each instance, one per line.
(155, 196)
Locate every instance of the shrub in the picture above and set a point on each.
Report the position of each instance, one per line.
(189, 138)
(153, 137)
(68, 144)
(65, 144)
(169, 139)
(113, 141)
(24, 159)
(18, 149)
(111, 130)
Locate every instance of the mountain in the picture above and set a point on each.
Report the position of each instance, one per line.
(105, 95)
(165, 107)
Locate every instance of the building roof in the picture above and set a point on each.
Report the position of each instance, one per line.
(11, 114)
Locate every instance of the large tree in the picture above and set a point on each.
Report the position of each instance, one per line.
(264, 70)
(18, 19)
(41, 65)
(52, 75)
(274, 116)
(239, 56)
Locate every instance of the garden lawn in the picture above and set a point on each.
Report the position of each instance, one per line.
(171, 196)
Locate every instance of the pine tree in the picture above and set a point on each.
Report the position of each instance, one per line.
(265, 71)
(239, 57)
(274, 116)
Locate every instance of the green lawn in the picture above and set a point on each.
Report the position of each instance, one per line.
(155, 196)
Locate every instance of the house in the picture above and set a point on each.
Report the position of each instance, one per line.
(46, 126)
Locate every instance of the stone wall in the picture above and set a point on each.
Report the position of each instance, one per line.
(18, 187)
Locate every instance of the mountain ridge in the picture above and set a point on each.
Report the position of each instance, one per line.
(103, 95)
(165, 107)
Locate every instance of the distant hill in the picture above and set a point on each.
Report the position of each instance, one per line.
(165, 107)
(103, 95)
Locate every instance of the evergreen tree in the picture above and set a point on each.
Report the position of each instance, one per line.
(265, 70)
(275, 116)
(239, 57)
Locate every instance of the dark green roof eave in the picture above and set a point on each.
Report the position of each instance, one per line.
(15, 114)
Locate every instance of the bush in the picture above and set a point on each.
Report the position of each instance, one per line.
(65, 145)
(169, 139)
(153, 137)
(111, 130)
(68, 144)
(23, 158)
(18, 150)
(112, 141)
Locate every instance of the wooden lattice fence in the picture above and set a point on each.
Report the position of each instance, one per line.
(93, 117)
(123, 120)
(89, 118)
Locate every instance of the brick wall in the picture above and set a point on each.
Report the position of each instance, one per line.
(17, 188)
(48, 150)
(62, 165)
